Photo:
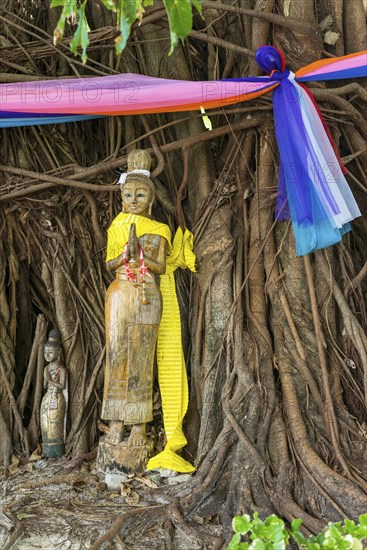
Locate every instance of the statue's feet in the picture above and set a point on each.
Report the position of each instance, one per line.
(138, 435)
(116, 432)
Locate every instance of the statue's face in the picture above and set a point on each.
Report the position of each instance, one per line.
(136, 198)
(51, 354)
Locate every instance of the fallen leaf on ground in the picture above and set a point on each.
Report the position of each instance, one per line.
(13, 467)
(147, 481)
(36, 455)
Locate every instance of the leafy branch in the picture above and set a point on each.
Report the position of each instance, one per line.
(179, 13)
(272, 534)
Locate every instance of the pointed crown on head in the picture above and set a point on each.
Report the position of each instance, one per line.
(54, 339)
(139, 162)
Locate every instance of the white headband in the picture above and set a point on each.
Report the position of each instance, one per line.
(124, 175)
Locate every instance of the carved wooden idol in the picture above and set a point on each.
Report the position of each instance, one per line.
(132, 314)
(53, 406)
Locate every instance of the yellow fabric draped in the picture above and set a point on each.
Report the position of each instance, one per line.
(170, 359)
(118, 232)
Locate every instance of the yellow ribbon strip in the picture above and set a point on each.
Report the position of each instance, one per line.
(170, 359)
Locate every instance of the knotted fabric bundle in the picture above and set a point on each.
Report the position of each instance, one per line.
(312, 189)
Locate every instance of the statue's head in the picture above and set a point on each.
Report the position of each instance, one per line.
(137, 191)
(53, 348)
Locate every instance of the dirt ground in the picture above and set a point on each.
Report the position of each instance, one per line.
(56, 504)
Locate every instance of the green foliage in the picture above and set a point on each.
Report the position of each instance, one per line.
(264, 535)
(271, 534)
(179, 14)
(180, 19)
(127, 13)
(69, 14)
(81, 38)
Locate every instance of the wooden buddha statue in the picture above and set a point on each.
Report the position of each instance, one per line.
(133, 310)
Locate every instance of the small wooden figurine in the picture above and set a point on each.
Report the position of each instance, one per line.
(53, 406)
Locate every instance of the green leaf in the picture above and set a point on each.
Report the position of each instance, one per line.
(363, 520)
(278, 535)
(179, 18)
(81, 38)
(360, 532)
(69, 13)
(349, 526)
(354, 544)
(276, 531)
(241, 524)
(57, 3)
(319, 539)
(296, 524)
(299, 538)
(257, 544)
(260, 530)
(273, 519)
(233, 545)
(333, 531)
(127, 11)
(343, 545)
(206, 120)
(277, 545)
(197, 4)
(174, 41)
(109, 4)
(69, 10)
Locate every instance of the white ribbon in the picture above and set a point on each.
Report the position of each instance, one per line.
(124, 175)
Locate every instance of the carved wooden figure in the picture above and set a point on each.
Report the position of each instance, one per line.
(53, 405)
(133, 310)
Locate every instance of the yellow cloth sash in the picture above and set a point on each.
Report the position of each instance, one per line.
(170, 359)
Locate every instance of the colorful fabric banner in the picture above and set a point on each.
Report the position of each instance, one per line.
(63, 100)
(313, 192)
